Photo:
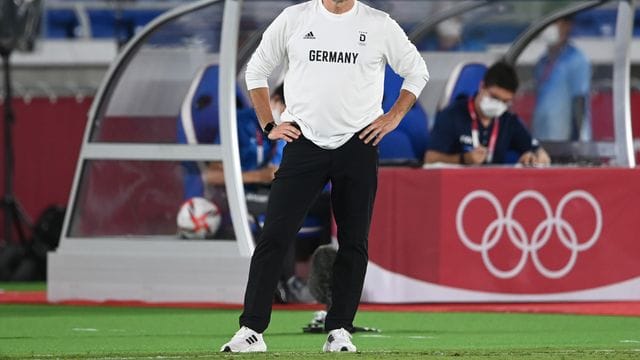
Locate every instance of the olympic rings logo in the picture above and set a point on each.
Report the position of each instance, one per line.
(519, 237)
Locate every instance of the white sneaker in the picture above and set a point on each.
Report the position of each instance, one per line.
(339, 340)
(245, 340)
(318, 317)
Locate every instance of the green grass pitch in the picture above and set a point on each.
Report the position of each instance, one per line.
(72, 332)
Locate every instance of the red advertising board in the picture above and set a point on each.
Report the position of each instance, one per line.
(507, 231)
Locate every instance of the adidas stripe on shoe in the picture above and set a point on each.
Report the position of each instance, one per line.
(245, 340)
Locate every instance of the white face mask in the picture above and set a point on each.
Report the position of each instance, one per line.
(491, 107)
(551, 35)
(450, 28)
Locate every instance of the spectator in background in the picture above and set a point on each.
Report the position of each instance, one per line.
(449, 37)
(259, 157)
(563, 77)
(480, 129)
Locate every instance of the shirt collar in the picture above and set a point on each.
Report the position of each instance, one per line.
(333, 16)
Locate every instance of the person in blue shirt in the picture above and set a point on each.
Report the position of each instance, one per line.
(563, 81)
(480, 129)
(259, 157)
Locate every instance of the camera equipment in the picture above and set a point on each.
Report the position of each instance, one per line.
(19, 24)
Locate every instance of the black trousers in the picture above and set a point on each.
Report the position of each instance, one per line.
(304, 171)
(305, 245)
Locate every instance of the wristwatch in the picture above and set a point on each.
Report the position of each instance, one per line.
(267, 128)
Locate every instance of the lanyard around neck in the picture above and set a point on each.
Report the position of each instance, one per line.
(475, 136)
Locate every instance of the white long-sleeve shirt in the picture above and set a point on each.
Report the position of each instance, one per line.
(335, 63)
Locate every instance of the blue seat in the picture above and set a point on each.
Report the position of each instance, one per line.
(61, 23)
(140, 17)
(409, 141)
(396, 146)
(202, 107)
(198, 122)
(595, 22)
(102, 23)
(463, 82)
(106, 23)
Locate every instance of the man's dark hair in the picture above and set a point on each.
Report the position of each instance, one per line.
(502, 75)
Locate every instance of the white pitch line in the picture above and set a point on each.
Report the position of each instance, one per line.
(375, 336)
(85, 329)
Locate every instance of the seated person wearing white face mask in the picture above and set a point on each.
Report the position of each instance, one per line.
(480, 129)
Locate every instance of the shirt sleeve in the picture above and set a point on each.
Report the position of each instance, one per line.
(404, 58)
(268, 55)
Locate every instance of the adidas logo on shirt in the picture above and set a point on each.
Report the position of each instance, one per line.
(309, 36)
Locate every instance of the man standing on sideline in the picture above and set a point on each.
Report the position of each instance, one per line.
(563, 81)
(335, 53)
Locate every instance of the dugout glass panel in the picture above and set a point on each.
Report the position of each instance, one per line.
(593, 34)
(131, 198)
(144, 95)
(256, 16)
(635, 106)
(410, 13)
(490, 27)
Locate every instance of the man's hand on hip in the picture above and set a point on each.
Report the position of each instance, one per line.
(380, 127)
(285, 131)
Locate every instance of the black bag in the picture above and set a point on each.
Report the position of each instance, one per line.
(46, 231)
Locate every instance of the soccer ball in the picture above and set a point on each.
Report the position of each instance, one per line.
(198, 218)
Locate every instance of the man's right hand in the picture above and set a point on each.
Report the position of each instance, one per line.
(285, 131)
(476, 156)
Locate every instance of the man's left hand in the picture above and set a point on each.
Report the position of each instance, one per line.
(380, 127)
(542, 157)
